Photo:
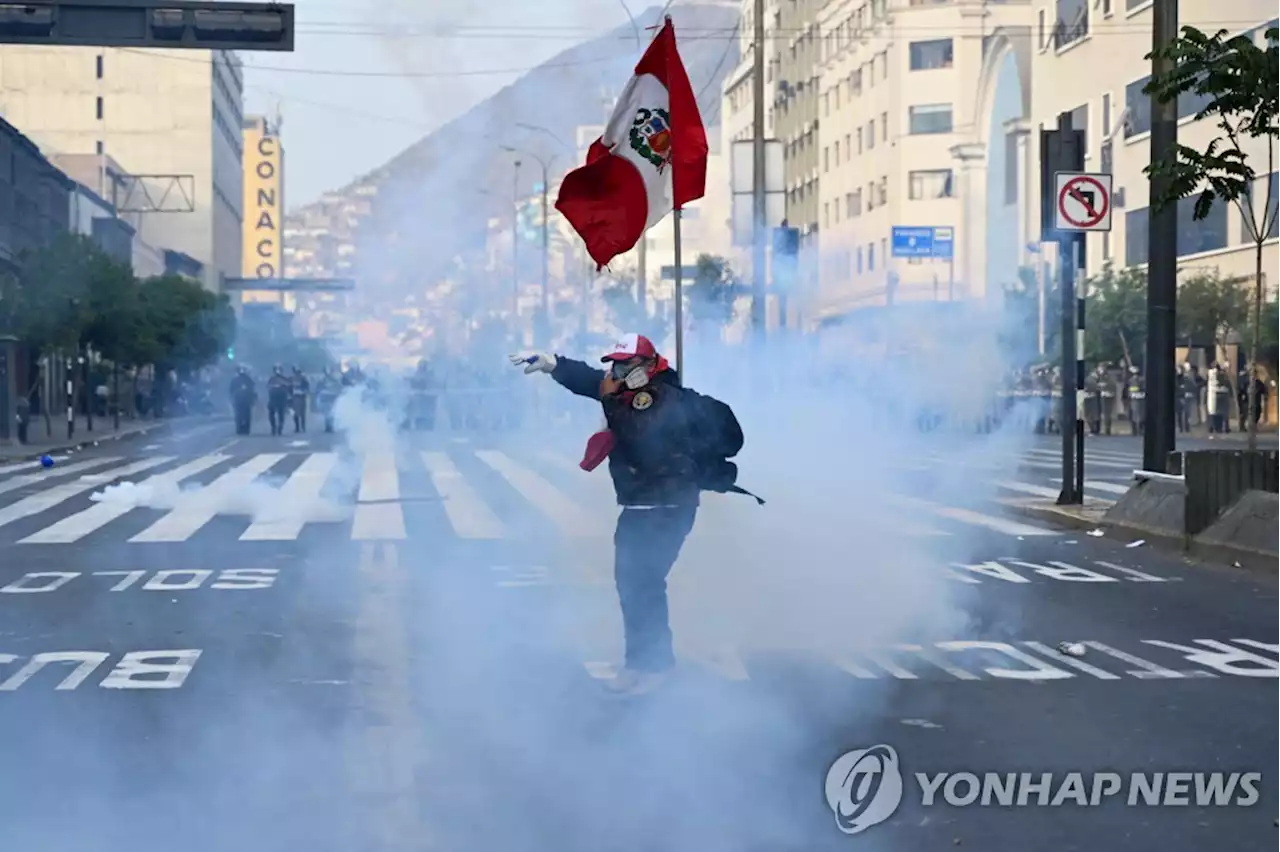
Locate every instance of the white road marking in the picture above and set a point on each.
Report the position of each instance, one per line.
(10, 468)
(572, 519)
(380, 521)
(1027, 488)
(302, 488)
(1133, 574)
(1073, 662)
(1106, 487)
(1145, 669)
(470, 516)
(1000, 525)
(385, 748)
(51, 497)
(56, 471)
(190, 515)
(77, 526)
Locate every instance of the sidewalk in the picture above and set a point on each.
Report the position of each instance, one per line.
(41, 442)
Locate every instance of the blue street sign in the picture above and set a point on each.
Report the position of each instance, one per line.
(923, 242)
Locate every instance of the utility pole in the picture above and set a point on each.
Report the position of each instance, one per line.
(543, 334)
(642, 277)
(515, 247)
(1162, 259)
(758, 179)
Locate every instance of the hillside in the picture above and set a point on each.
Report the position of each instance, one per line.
(399, 226)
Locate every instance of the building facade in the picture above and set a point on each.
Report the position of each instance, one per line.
(795, 98)
(263, 224)
(1087, 60)
(898, 101)
(171, 118)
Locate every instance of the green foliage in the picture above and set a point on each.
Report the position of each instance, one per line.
(1238, 82)
(1210, 306)
(71, 293)
(1116, 315)
(714, 290)
(1020, 334)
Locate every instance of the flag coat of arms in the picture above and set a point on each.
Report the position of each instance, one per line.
(651, 158)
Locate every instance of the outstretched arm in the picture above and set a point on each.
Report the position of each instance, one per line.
(578, 377)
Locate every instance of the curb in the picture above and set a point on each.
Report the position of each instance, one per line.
(1223, 554)
(92, 439)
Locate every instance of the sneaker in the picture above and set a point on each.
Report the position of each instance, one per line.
(634, 682)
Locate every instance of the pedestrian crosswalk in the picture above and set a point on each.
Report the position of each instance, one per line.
(467, 493)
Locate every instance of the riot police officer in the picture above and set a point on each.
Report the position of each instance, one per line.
(244, 393)
(279, 392)
(301, 387)
(1136, 392)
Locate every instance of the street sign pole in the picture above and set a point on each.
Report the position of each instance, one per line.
(1078, 202)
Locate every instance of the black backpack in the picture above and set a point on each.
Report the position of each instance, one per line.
(717, 438)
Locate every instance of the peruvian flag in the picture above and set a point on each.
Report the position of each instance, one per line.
(651, 159)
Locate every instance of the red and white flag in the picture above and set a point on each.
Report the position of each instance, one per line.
(651, 159)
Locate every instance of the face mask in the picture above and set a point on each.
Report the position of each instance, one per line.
(633, 377)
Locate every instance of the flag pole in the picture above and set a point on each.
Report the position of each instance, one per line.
(666, 22)
(679, 299)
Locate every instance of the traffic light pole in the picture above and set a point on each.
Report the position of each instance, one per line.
(758, 210)
(1162, 260)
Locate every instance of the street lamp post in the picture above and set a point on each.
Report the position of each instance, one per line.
(515, 247)
(543, 322)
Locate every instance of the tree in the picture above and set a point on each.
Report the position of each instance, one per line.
(1116, 315)
(192, 326)
(1238, 83)
(713, 292)
(1021, 319)
(1210, 307)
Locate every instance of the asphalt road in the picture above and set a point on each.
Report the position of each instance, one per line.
(266, 666)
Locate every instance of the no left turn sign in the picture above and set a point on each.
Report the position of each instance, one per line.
(1083, 201)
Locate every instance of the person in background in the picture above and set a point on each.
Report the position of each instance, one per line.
(244, 393)
(301, 387)
(279, 392)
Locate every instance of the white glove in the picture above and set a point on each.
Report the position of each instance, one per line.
(535, 362)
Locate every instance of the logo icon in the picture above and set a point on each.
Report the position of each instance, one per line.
(641, 400)
(864, 788)
(651, 135)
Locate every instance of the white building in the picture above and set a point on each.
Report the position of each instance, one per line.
(171, 113)
(898, 101)
(1087, 59)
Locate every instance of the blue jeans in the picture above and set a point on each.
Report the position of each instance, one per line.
(645, 546)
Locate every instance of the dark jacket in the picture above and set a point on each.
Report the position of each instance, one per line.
(653, 459)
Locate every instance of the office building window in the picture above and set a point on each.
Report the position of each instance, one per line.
(99, 147)
(826, 159)
(1042, 31)
(826, 214)
(884, 127)
(99, 108)
(871, 257)
(1208, 234)
(883, 189)
(848, 148)
(858, 257)
(1106, 114)
(1246, 233)
(1130, 5)
(98, 63)
(1106, 9)
(1010, 169)
(929, 118)
(859, 140)
(1080, 121)
(871, 134)
(1139, 105)
(931, 55)
(929, 184)
(1072, 22)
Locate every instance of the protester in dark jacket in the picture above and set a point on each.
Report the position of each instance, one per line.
(658, 445)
